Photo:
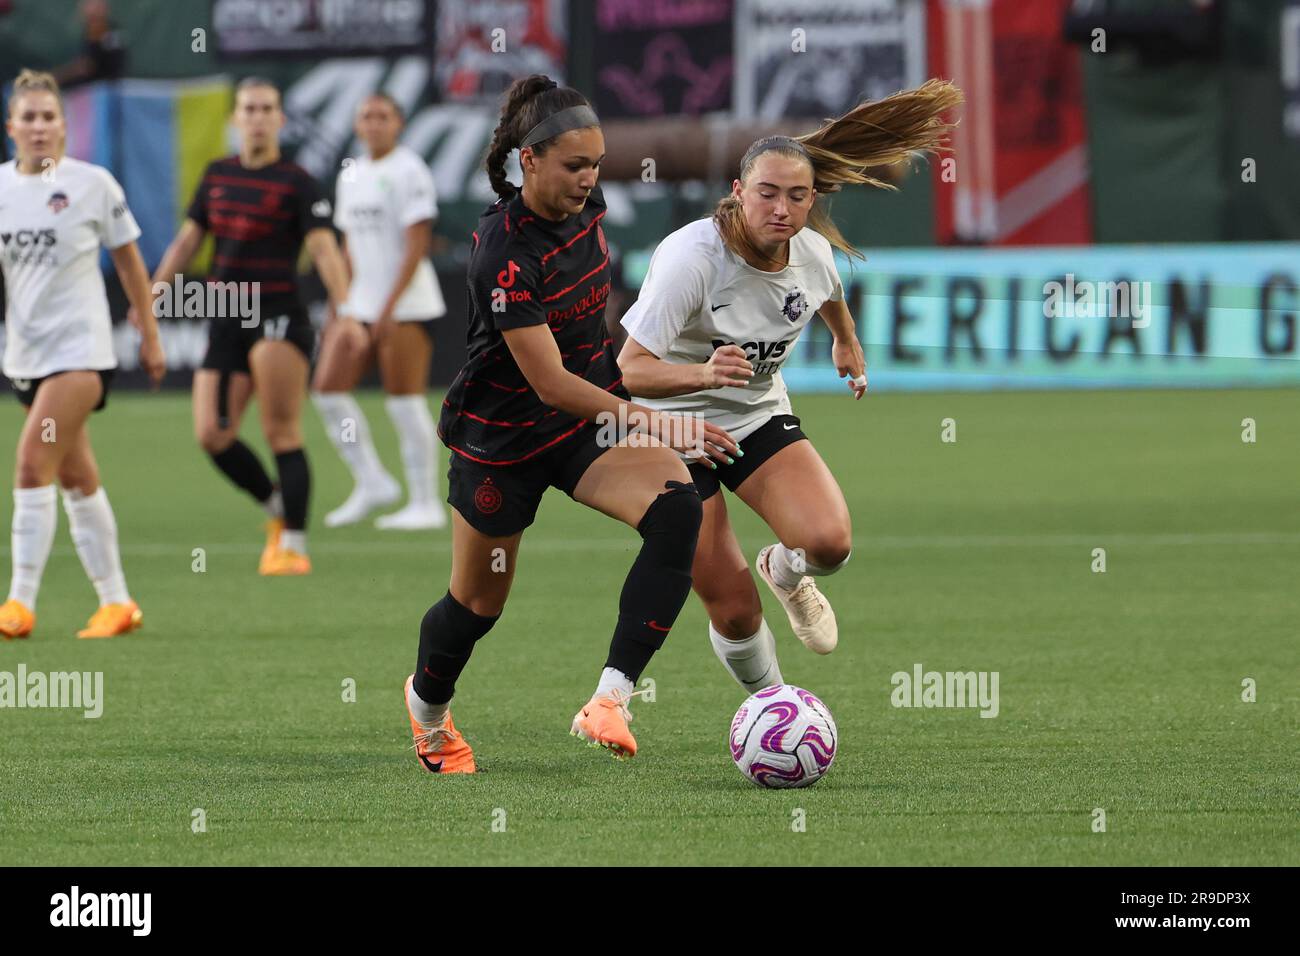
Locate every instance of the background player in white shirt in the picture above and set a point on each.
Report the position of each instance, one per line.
(722, 306)
(55, 214)
(385, 206)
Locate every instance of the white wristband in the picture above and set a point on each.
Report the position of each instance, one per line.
(861, 381)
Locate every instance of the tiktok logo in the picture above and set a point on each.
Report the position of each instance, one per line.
(506, 277)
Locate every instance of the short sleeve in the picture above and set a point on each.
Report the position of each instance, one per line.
(505, 286)
(418, 199)
(198, 210)
(117, 226)
(674, 289)
(314, 210)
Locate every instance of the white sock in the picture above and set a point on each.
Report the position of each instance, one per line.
(346, 425)
(415, 432)
(752, 662)
(274, 505)
(425, 713)
(36, 515)
(94, 534)
(789, 568)
(612, 678)
(294, 540)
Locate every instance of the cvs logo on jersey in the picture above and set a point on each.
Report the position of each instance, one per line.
(758, 351)
(506, 277)
(28, 237)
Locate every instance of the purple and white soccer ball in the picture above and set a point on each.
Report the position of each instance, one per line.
(783, 736)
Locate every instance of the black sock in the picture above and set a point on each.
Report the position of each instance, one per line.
(295, 487)
(240, 465)
(660, 579)
(447, 636)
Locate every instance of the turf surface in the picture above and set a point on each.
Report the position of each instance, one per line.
(1120, 691)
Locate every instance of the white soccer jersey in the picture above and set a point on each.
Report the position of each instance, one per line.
(698, 296)
(374, 203)
(51, 230)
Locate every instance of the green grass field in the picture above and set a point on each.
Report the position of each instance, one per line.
(1119, 691)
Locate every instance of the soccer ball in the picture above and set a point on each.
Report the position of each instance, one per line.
(783, 736)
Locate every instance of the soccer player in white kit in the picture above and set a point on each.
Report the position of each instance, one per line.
(722, 306)
(55, 214)
(385, 206)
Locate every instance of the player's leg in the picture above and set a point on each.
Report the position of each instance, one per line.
(404, 360)
(649, 489)
(280, 371)
(94, 535)
(815, 536)
(346, 352)
(482, 570)
(58, 411)
(720, 575)
(219, 399)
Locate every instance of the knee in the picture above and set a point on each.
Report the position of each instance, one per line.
(78, 477)
(30, 473)
(213, 439)
(678, 511)
(829, 550)
(282, 434)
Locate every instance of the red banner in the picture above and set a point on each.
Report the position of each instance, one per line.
(1019, 170)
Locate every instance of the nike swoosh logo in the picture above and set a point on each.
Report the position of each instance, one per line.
(788, 427)
(715, 308)
(430, 765)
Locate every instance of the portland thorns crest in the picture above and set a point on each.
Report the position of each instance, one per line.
(487, 497)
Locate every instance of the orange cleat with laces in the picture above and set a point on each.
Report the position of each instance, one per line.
(440, 747)
(16, 619)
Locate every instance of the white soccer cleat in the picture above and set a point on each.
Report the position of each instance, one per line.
(421, 517)
(809, 612)
(364, 499)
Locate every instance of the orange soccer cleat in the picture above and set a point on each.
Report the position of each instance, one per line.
(440, 747)
(273, 529)
(284, 561)
(16, 619)
(603, 722)
(112, 620)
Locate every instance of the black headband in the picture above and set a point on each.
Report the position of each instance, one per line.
(575, 117)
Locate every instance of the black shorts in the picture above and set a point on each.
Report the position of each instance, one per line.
(229, 342)
(770, 437)
(501, 500)
(25, 388)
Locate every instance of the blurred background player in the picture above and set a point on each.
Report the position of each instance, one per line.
(55, 214)
(518, 420)
(385, 206)
(723, 303)
(261, 209)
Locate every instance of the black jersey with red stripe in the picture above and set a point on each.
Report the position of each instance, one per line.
(258, 218)
(525, 270)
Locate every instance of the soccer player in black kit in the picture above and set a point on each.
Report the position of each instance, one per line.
(261, 209)
(528, 411)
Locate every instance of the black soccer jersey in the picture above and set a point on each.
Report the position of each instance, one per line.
(525, 270)
(258, 218)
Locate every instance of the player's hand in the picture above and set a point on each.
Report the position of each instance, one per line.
(153, 361)
(849, 361)
(384, 328)
(727, 366)
(695, 438)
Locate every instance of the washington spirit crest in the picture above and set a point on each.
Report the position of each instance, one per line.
(795, 304)
(58, 202)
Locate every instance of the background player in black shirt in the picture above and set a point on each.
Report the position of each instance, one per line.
(260, 209)
(519, 418)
